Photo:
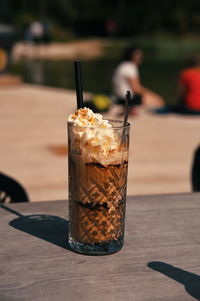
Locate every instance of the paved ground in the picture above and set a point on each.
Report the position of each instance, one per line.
(33, 144)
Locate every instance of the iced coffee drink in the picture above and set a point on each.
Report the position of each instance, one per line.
(98, 163)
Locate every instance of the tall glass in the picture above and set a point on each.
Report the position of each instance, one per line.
(97, 189)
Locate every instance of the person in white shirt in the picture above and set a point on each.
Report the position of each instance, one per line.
(126, 77)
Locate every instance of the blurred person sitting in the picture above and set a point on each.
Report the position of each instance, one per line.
(189, 87)
(188, 90)
(126, 77)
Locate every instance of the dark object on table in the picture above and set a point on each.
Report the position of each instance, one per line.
(7, 39)
(11, 191)
(196, 170)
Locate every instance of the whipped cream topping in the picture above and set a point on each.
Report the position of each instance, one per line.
(94, 138)
(86, 117)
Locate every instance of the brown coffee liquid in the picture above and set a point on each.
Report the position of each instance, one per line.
(97, 201)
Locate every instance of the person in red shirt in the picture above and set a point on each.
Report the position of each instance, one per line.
(189, 87)
(188, 90)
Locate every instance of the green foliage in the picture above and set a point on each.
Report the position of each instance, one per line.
(132, 17)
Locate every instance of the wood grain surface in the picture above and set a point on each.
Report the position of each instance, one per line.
(160, 259)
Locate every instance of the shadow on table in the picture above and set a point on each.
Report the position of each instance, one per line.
(53, 229)
(189, 280)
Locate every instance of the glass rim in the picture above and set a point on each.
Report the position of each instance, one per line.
(122, 126)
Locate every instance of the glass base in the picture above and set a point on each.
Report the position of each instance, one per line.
(103, 248)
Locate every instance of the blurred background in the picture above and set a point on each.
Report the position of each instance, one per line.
(166, 30)
(39, 40)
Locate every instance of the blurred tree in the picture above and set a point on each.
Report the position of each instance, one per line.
(131, 16)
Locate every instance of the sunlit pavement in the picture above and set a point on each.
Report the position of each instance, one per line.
(33, 144)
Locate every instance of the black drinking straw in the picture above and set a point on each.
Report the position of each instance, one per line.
(78, 81)
(127, 102)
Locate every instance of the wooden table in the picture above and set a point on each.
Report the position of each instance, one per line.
(160, 259)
